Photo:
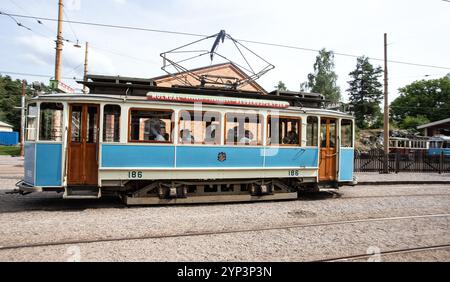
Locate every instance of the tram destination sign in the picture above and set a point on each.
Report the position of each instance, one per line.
(186, 98)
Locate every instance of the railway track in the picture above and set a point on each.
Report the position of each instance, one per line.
(337, 195)
(389, 252)
(208, 233)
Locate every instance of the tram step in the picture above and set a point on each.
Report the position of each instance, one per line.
(82, 192)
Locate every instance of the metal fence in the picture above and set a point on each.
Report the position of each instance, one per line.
(414, 161)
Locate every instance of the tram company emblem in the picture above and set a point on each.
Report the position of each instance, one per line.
(222, 157)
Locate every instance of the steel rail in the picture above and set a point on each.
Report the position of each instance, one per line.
(208, 233)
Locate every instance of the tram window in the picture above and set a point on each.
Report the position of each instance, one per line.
(391, 143)
(312, 128)
(153, 126)
(31, 122)
(332, 133)
(50, 125)
(347, 133)
(284, 131)
(111, 123)
(199, 128)
(243, 129)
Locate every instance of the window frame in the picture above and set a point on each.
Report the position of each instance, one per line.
(36, 117)
(103, 124)
(352, 140)
(317, 137)
(219, 114)
(39, 123)
(261, 120)
(151, 141)
(299, 129)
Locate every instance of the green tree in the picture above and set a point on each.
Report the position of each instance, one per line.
(427, 98)
(365, 93)
(323, 80)
(281, 86)
(412, 123)
(10, 97)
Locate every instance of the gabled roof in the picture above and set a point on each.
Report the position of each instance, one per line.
(5, 124)
(433, 123)
(217, 67)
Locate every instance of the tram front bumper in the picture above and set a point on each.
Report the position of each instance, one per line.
(24, 189)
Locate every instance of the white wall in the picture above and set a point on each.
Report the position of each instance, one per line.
(5, 129)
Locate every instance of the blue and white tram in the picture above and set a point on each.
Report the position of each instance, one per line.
(439, 144)
(183, 146)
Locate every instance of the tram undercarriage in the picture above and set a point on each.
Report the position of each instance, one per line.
(189, 191)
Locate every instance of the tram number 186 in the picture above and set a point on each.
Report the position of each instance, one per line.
(135, 174)
(294, 173)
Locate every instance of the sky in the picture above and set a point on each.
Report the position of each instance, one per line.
(418, 32)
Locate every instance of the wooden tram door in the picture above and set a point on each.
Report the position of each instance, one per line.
(327, 166)
(83, 145)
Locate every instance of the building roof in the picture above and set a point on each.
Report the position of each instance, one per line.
(434, 123)
(210, 68)
(4, 124)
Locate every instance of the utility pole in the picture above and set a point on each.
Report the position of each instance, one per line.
(22, 120)
(59, 43)
(386, 109)
(85, 90)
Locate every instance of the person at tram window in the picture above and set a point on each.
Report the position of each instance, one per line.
(247, 138)
(291, 137)
(232, 135)
(158, 131)
(186, 136)
(210, 134)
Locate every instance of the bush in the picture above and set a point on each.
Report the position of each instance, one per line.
(10, 151)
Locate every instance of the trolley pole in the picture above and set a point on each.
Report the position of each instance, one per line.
(22, 120)
(59, 43)
(386, 109)
(85, 89)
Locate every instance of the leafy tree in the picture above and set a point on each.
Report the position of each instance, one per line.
(281, 86)
(365, 94)
(10, 97)
(412, 123)
(424, 99)
(323, 80)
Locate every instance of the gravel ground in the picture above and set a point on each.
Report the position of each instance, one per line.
(298, 244)
(46, 217)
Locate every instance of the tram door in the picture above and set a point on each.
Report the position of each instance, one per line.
(83, 145)
(327, 166)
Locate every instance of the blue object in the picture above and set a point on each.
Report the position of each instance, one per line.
(346, 164)
(9, 138)
(29, 165)
(48, 165)
(136, 156)
(43, 164)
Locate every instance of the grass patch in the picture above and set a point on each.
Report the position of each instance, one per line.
(10, 151)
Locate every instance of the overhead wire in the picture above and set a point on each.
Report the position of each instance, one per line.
(241, 40)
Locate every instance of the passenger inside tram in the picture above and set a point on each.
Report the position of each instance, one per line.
(247, 138)
(186, 136)
(291, 137)
(210, 134)
(158, 131)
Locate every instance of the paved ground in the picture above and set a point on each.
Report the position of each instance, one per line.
(404, 176)
(45, 218)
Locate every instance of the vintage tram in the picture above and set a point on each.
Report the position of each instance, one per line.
(164, 145)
